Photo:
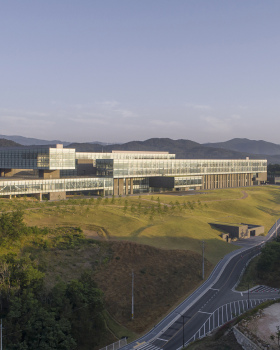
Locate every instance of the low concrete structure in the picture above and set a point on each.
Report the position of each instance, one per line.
(238, 231)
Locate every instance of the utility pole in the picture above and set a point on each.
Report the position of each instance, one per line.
(183, 330)
(1, 334)
(183, 326)
(202, 260)
(132, 298)
(248, 295)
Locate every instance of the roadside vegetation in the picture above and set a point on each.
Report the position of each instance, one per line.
(74, 254)
(263, 269)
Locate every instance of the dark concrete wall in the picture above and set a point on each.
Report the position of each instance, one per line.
(161, 182)
(49, 174)
(85, 167)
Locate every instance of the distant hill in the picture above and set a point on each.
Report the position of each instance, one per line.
(182, 148)
(8, 143)
(155, 144)
(28, 141)
(246, 145)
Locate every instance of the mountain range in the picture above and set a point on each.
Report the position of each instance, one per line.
(182, 148)
(233, 149)
(29, 141)
(250, 146)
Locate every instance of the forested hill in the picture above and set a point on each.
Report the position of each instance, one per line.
(182, 148)
(246, 145)
(8, 143)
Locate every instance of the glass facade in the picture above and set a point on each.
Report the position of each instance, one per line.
(8, 187)
(141, 185)
(38, 158)
(176, 167)
(121, 172)
(124, 155)
(188, 181)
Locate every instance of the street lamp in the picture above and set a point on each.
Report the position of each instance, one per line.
(203, 245)
(248, 295)
(183, 327)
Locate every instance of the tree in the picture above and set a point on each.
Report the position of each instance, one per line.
(31, 326)
(87, 305)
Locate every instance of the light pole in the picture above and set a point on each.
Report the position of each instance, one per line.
(248, 296)
(132, 296)
(183, 326)
(202, 260)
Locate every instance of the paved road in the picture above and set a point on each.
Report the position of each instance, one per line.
(212, 304)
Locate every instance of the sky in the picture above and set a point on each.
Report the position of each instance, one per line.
(123, 70)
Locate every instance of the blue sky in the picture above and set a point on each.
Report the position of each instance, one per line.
(121, 70)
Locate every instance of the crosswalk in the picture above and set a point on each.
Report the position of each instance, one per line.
(264, 289)
(146, 346)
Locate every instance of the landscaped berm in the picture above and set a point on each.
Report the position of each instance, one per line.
(158, 237)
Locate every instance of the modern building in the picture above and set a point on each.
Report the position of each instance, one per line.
(57, 171)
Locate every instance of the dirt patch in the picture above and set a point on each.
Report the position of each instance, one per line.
(263, 327)
(161, 279)
(93, 234)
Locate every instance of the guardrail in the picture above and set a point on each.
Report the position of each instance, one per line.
(224, 314)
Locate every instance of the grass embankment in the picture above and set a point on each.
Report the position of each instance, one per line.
(174, 223)
(165, 221)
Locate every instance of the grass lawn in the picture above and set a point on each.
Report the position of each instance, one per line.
(164, 221)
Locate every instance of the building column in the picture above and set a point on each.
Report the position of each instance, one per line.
(116, 187)
(38, 196)
(121, 187)
(131, 186)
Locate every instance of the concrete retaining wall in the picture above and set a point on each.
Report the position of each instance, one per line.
(245, 342)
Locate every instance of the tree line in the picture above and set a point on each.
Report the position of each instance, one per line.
(68, 316)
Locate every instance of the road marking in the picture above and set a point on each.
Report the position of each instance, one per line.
(162, 339)
(215, 289)
(138, 344)
(203, 312)
(241, 294)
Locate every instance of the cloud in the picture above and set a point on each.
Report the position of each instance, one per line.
(216, 124)
(199, 106)
(89, 121)
(164, 123)
(109, 104)
(20, 112)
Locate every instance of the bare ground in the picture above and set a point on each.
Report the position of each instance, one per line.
(263, 326)
(161, 279)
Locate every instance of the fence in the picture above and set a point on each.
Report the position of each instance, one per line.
(222, 315)
(115, 346)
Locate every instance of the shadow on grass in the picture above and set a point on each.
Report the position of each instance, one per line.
(215, 249)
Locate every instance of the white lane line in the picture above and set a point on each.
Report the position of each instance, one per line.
(241, 294)
(203, 312)
(162, 339)
(215, 289)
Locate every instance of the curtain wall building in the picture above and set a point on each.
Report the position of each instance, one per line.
(57, 171)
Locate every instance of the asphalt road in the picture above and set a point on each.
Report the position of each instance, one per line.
(212, 304)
